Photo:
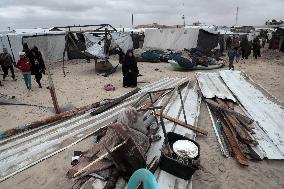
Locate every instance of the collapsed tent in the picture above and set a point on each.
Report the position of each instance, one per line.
(180, 38)
(50, 45)
(95, 45)
(90, 45)
(75, 46)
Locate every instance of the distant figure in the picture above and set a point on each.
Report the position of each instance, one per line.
(228, 42)
(24, 65)
(282, 46)
(245, 48)
(256, 48)
(231, 54)
(238, 54)
(263, 40)
(7, 64)
(38, 67)
(130, 70)
(236, 42)
(28, 53)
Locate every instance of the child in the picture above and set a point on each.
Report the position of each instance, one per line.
(231, 54)
(24, 65)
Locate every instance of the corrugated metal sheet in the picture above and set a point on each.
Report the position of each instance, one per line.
(268, 115)
(192, 105)
(211, 86)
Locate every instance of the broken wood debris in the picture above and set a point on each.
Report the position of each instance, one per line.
(198, 130)
(219, 107)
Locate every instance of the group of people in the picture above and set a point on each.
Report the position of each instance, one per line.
(30, 63)
(243, 48)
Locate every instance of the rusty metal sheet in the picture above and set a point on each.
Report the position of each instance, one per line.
(212, 86)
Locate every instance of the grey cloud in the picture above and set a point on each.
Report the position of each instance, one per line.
(37, 13)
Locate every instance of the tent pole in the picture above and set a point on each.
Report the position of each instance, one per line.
(11, 48)
(52, 93)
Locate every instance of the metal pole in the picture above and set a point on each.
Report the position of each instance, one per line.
(182, 106)
(154, 108)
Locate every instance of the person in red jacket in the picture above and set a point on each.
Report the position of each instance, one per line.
(24, 65)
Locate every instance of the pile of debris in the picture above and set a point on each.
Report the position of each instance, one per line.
(180, 60)
(155, 128)
(247, 123)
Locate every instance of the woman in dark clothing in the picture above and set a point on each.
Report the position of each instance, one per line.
(38, 66)
(130, 70)
(28, 53)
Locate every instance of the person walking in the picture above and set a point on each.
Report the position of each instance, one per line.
(28, 53)
(245, 48)
(130, 70)
(231, 54)
(7, 64)
(256, 48)
(238, 54)
(38, 67)
(24, 65)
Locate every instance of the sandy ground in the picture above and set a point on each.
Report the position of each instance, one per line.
(83, 86)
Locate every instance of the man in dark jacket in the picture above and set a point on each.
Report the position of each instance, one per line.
(7, 64)
(38, 67)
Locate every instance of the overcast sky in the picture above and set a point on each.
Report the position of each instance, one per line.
(48, 13)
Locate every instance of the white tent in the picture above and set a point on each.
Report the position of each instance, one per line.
(177, 38)
(181, 38)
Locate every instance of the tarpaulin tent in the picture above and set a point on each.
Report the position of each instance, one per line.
(180, 38)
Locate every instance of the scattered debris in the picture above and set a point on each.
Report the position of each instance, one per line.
(109, 87)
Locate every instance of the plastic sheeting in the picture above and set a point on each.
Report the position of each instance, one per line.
(176, 39)
(51, 46)
(122, 40)
(93, 46)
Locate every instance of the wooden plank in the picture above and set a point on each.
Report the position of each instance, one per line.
(198, 130)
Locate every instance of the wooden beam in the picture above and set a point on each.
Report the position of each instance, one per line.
(198, 130)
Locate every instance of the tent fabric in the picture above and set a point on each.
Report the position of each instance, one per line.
(207, 40)
(122, 40)
(76, 46)
(51, 46)
(93, 46)
(180, 38)
(119, 39)
(176, 39)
